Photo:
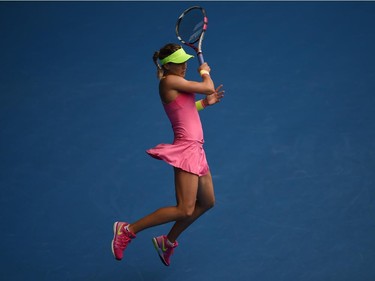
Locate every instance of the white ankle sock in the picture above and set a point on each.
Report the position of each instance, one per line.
(169, 243)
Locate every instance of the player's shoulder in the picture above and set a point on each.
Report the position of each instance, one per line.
(172, 81)
(173, 78)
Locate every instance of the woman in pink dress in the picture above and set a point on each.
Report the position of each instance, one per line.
(193, 181)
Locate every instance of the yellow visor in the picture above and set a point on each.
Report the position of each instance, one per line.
(178, 56)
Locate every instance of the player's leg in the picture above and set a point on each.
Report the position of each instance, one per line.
(186, 185)
(204, 201)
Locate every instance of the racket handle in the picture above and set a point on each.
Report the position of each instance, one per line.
(200, 58)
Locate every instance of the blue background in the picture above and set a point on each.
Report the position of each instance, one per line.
(291, 147)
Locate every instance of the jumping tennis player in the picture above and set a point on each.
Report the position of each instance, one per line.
(193, 181)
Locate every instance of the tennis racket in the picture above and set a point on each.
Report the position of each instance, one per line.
(190, 29)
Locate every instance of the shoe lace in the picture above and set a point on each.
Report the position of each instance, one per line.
(122, 241)
(169, 250)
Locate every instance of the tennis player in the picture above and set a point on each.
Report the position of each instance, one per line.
(193, 182)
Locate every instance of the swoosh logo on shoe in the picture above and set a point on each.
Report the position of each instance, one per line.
(119, 232)
(163, 247)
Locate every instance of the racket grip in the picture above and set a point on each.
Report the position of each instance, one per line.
(200, 58)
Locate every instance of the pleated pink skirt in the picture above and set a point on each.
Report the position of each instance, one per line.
(184, 154)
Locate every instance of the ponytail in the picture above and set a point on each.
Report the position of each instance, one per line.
(159, 71)
(161, 54)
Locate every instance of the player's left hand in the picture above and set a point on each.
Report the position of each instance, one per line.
(216, 96)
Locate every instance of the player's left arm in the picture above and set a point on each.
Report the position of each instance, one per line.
(210, 99)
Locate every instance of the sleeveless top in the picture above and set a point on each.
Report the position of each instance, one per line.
(186, 152)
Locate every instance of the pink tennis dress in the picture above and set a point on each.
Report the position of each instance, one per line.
(186, 152)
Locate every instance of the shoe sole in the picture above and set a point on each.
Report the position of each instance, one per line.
(159, 251)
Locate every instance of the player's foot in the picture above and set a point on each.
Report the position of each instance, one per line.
(121, 239)
(164, 249)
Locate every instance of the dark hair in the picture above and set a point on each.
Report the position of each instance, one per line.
(163, 53)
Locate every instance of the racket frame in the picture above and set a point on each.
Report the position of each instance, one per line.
(197, 48)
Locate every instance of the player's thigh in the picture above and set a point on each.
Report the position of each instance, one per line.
(186, 185)
(206, 194)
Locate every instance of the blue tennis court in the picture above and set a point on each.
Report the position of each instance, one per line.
(291, 147)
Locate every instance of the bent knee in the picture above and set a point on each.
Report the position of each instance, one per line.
(186, 212)
(211, 204)
(208, 204)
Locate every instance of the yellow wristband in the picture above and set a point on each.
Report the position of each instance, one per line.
(200, 105)
(203, 72)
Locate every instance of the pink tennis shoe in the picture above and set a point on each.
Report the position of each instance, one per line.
(121, 239)
(164, 250)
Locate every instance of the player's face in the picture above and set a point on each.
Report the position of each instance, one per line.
(178, 68)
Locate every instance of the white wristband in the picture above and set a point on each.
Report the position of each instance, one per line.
(203, 72)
